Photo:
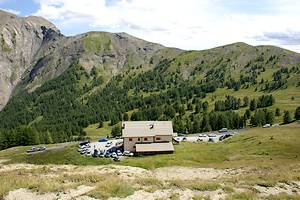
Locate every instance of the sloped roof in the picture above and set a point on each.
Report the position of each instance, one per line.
(146, 128)
(154, 147)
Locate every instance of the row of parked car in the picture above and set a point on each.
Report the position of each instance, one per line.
(33, 149)
(112, 152)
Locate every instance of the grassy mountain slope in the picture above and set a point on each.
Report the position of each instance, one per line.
(117, 74)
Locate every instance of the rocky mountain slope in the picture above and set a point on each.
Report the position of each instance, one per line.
(63, 84)
(21, 40)
(34, 51)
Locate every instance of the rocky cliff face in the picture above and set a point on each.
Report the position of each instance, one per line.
(20, 41)
(34, 51)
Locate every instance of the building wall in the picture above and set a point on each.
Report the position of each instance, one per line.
(163, 138)
(129, 145)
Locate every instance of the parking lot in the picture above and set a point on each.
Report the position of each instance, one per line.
(208, 137)
(101, 146)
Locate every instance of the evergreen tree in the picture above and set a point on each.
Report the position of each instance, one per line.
(197, 125)
(125, 116)
(297, 113)
(246, 101)
(277, 112)
(100, 124)
(247, 114)
(198, 108)
(116, 131)
(287, 118)
(253, 104)
(205, 126)
(48, 138)
(258, 118)
(270, 118)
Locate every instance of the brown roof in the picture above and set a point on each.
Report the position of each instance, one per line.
(146, 128)
(154, 147)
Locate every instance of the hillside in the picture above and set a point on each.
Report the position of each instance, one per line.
(71, 82)
(249, 165)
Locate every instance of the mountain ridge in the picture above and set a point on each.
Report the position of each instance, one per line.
(66, 83)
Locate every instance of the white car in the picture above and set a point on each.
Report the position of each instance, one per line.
(202, 135)
(113, 154)
(266, 126)
(127, 153)
(222, 130)
(212, 135)
(119, 153)
(108, 144)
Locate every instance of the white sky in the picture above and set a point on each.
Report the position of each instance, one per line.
(185, 24)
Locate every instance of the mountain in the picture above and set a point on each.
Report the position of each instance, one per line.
(34, 51)
(62, 84)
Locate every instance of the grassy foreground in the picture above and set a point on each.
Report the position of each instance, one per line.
(257, 146)
(264, 154)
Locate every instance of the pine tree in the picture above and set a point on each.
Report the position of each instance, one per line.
(297, 113)
(287, 118)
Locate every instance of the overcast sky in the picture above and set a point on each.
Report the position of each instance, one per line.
(185, 24)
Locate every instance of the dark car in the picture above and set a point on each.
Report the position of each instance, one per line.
(101, 154)
(117, 159)
(103, 140)
(95, 153)
(211, 140)
(107, 154)
(221, 137)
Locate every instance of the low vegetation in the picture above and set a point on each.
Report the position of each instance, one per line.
(261, 155)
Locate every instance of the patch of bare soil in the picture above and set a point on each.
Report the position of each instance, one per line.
(131, 174)
(189, 173)
(25, 194)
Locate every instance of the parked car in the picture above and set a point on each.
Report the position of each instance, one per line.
(117, 159)
(41, 148)
(127, 153)
(83, 151)
(119, 153)
(180, 134)
(275, 125)
(107, 154)
(88, 153)
(212, 135)
(223, 130)
(199, 139)
(221, 137)
(95, 154)
(83, 144)
(108, 144)
(202, 135)
(32, 149)
(113, 154)
(103, 140)
(211, 140)
(101, 154)
(266, 126)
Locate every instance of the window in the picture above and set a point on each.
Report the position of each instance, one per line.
(130, 139)
(134, 146)
(139, 139)
(158, 138)
(145, 139)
